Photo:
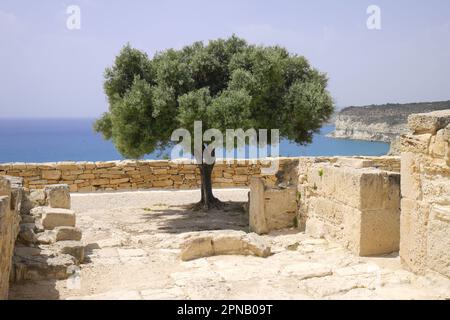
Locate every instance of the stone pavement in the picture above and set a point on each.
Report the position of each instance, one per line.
(133, 250)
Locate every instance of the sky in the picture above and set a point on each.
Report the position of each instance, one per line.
(50, 71)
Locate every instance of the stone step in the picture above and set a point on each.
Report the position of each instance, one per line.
(34, 264)
(55, 217)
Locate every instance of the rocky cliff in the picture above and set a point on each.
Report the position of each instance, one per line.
(380, 122)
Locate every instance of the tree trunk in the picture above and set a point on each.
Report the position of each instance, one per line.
(208, 200)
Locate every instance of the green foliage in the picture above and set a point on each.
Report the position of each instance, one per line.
(226, 83)
(321, 172)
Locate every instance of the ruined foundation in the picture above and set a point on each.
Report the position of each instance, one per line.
(425, 219)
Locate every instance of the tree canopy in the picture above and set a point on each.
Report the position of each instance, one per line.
(226, 83)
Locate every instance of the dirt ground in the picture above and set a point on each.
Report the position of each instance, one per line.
(133, 244)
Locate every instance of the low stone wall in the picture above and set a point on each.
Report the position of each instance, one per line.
(425, 205)
(123, 175)
(9, 228)
(147, 174)
(352, 201)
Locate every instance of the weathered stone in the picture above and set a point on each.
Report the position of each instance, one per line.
(37, 197)
(224, 243)
(438, 241)
(51, 174)
(197, 248)
(46, 237)
(40, 267)
(429, 122)
(26, 234)
(359, 207)
(415, 143)
(355, 163)
(5, 187)
(257, 219)
(413, 238)
(271, 208)
(56, 217)
(58, 196)
(306, 270)
(73, 248)
(67, 233)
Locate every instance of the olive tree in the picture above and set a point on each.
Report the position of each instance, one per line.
(225, 83)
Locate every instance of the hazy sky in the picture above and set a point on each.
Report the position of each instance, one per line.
(47, 70)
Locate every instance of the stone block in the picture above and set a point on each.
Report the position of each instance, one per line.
(438, 242)
(379, 190)
(413, 234)
(280, 207)
(355, 163)
(418, 143)
(257, 218)
(58, 196)
(5, 187)
(380, 231)
(197, 248)
(271, 208)
(224, 243)
(429, 122)
(51, 174)
(410, 176)
(74, 248)
(68, 233)
(56, 217)
(439, 145)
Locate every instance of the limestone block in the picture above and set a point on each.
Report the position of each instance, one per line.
(74, 248)
(438, 242)
(56, 217)
(226, 242)
(417, 143)
(26, 234)
(413, 234)
(257, 218)
(58, 196)
(380, 231)
(51, 174)
(435, 188)
(68, 233)
(197, 248)
(5, 187)
(328, 209)
(429, 122)
(439, 145)
(410, 173)
(315, 228)
(379, 190)
(46, 237)
(163, 183)
(355, 163)
(352, 230)
(280, 207)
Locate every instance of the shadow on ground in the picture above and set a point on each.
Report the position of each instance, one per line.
(180, 219)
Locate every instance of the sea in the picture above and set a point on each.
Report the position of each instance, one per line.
(48, 140)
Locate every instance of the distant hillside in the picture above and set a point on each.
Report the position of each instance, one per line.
(380, 122)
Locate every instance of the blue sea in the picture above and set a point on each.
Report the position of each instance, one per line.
(31, 140)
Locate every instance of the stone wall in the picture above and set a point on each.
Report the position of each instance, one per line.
(425, 204)
(145, 174)
(351, 200)
(9, 227)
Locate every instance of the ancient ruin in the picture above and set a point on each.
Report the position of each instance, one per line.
(321, 227)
